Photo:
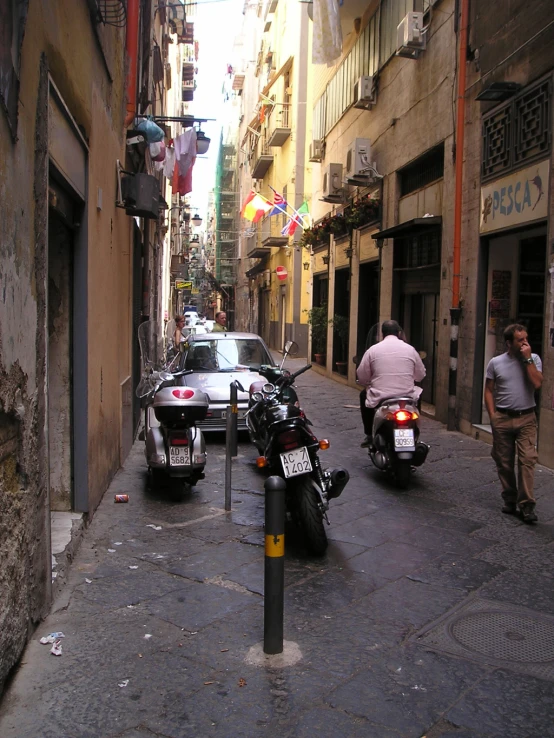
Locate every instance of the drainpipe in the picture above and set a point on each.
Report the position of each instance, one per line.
(131, 48)
(455, 310)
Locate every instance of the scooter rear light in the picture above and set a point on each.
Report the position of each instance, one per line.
(179, 440)
(402, 416)
(183, 394)
(288, 439)
(261, 461)
(324, 444)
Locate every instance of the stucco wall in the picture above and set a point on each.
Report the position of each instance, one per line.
(59, 40)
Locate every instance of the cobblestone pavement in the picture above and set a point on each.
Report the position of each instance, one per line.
(432, 614)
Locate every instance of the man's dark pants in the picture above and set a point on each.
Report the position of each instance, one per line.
(368, 413)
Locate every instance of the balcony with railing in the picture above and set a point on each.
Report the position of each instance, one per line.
(261, 158)
(254, 247)
(279, 128)
(271, 233)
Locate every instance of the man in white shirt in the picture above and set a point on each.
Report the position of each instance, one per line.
(388, 369)
(512, 379)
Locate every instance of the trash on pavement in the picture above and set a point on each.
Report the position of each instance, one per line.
(111, 550)
(133, 567)
(155, 527)
(121, 498)
(242, 682)
(52, 637)
(88, 581)
(124, 683)
(56, 649)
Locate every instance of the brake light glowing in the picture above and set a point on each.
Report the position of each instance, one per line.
(402, 416)
(261, 461)
(324, 444)
(183, 394)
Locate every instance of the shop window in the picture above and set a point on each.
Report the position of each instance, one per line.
(420, 250)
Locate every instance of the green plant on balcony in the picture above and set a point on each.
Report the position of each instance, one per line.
(363, 211)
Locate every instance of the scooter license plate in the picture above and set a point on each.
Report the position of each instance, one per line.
(296, 462)
(179, 456)
(404, 439)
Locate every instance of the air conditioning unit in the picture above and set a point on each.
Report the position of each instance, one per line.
(358, 158)
(316, 153)
(332, 183)
(411, 36)
(365, 94)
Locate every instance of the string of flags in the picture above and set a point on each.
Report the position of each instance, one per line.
(256, 206)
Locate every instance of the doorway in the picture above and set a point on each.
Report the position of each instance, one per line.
(60, 364)
(420, 327)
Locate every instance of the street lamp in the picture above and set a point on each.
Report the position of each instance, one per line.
(196, 220)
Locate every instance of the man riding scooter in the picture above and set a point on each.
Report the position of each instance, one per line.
(388, 369)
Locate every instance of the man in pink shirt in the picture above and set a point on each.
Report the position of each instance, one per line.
(388, 369)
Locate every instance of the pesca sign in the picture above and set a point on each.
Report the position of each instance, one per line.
(518, 198)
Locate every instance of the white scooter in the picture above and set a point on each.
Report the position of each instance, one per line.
(175, 448)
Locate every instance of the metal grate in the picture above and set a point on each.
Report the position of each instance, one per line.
(421, 172)
(518, 132)
(496, 633)
(112, 12)
(532, 123)
(496, 142)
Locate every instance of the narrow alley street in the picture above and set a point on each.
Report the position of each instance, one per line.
(432, 614)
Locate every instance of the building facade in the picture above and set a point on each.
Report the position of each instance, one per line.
(82, 254)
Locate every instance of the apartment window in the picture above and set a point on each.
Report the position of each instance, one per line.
(422, 171)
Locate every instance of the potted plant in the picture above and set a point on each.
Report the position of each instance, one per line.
(318, 322)
(340, 333)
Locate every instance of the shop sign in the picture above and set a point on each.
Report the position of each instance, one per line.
(516, 199)
(182, 285)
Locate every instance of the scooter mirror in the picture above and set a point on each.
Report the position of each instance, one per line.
(239, 386)
(291, 348)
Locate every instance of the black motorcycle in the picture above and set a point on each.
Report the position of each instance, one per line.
(280, 430)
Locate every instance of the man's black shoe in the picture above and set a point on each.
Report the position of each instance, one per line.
(510, 508)
(529, 515)
(366, 443)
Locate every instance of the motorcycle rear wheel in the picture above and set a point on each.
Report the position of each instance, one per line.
(402, 474)
(309, 514)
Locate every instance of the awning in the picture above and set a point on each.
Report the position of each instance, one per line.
(216, 284)
(261, 266)
(409, 227)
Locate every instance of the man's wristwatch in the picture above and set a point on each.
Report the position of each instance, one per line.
(528, 361)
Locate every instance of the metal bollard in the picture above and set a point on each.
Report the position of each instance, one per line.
(234, 419)
(228, 460)
(274, 574)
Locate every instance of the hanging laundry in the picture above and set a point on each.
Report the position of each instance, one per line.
(169, 162)
(185, 150)
(182, 184)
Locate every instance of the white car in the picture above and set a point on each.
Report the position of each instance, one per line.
(216, 360)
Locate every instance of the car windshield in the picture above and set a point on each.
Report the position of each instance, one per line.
(227, 355)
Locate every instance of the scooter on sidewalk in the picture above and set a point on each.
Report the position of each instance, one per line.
(281, 432)
(175, 448)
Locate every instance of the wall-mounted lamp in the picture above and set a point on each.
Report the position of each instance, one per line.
(196, 220)
(498, 91)
(306, 265)
(325, 259)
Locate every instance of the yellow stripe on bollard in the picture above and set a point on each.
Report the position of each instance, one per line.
(274, 546)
